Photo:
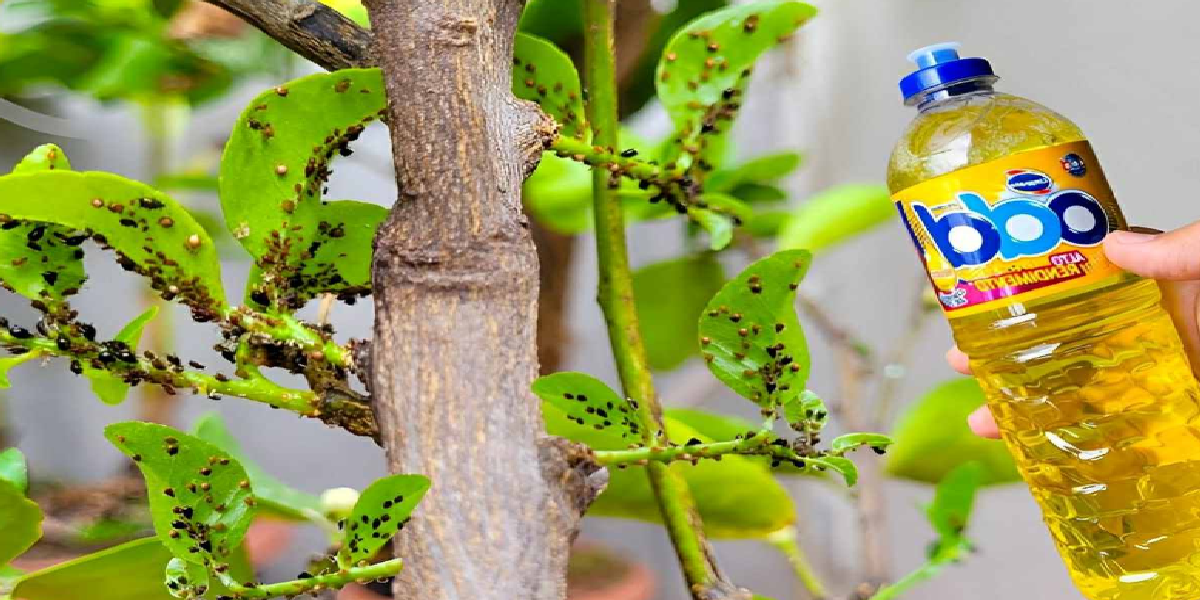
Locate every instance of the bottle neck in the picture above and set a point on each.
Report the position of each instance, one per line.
(965, 87)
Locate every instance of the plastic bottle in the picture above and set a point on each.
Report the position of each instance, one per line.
(1082, 368)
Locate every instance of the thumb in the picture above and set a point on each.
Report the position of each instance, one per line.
(1174, 255)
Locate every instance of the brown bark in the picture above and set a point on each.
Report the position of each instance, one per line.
(556, 252)
(456, 284)
(310, 29)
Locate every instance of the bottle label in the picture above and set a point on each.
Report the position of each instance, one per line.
(1014, 229)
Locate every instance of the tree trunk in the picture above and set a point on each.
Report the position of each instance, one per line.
(456, 284)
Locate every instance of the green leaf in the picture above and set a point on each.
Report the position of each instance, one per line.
(591, 404)
(716, 427)
(109, 531)
(46, 157)
(131, 571)
(275, 167)
(107, 385)
(186, 579)
(9, 576)
(932, 438)
(41, 260)
(847, 442)
(9, 362)
(152, 233)
(670, 297)
(544, 74)
(200, 497)
(187, 182)
(953, 500)
(381, 511)
(837, 215)
(806, 407)
(718, 226)
(757, 193)
(728, 205)
(559, 194)
(767, 224)
(274, 496)
(749, 334)
(758, 171)
(20, 520)
(843, 466)
(13, 468)
(737, 496)
(556, 21)
(714, 54)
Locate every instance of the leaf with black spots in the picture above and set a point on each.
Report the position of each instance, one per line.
(380, 512)
(152, 234)
(590, 403)
(41, 260)
(185, 579)
(200, 496)
(806, 411)
(109, 386)
(544, 74)
(277, 163)
(849, 441)
(46, 157)
(338, 261)
(705, 66)
(749, 335)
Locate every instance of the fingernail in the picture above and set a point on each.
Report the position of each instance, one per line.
(1130, 237)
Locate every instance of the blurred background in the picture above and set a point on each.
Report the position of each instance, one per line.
(829, 94)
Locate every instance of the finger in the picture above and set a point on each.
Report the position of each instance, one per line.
(958, 361)
(982, 423)
(1173, 255)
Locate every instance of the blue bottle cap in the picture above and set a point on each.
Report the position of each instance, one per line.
(939, 65)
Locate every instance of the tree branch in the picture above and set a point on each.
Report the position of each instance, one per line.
(455, 278)
(312, 30)
(616, 297)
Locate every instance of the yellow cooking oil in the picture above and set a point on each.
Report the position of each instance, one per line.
(1082, 368)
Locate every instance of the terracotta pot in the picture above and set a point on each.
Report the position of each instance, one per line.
(595, 574)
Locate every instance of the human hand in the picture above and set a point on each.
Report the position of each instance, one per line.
(1172, 258)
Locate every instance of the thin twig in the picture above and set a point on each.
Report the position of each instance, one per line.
(901, 356)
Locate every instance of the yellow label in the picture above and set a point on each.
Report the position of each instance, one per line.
(1013, 229)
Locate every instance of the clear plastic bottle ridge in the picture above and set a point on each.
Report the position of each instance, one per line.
(1083, 369)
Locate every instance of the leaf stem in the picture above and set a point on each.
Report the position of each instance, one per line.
(616, 298)
(787, 541)
(254, 386)
(597, 156)
(337, 580)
